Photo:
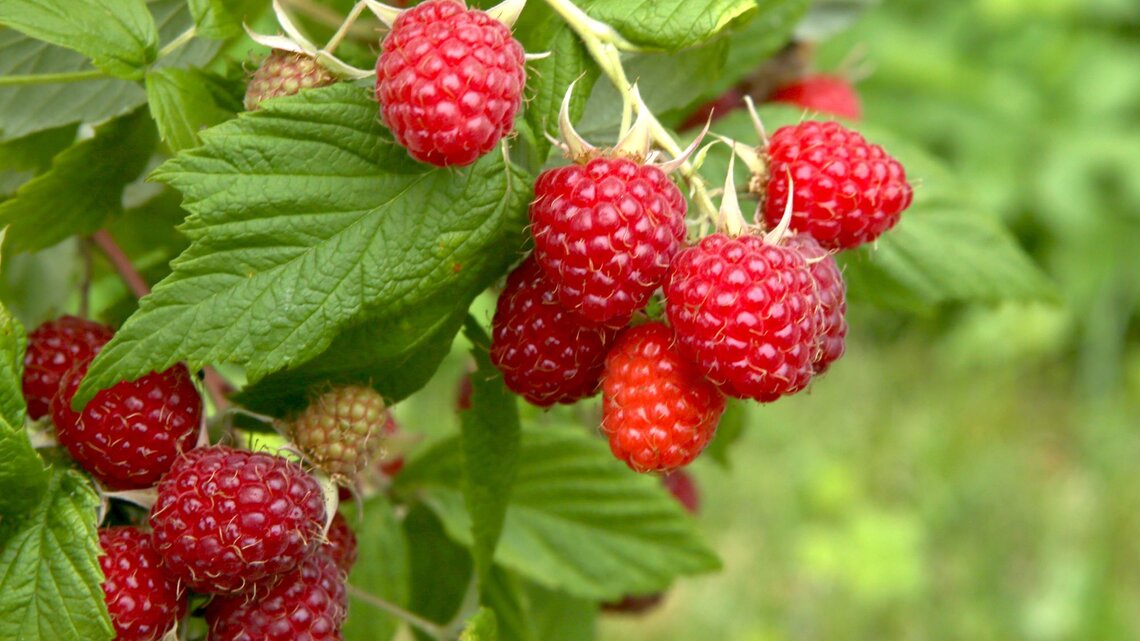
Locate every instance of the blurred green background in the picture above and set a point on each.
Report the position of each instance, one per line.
(972, 474)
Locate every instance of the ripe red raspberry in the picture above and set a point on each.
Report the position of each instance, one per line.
(822, 93)
(848, 192)
(341, 545)
(545, 354)
(129, 435)
(680, 484)
(604, 234)
(309, 603)
(342, 430)
(285, 73)
(658, 411)
(53, 348)
(449, 81)
(832, 293)
(227, 519)
(745, 312)
(143, 600)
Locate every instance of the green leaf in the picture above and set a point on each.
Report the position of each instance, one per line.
(34, 152)
(483, 626)
(729, 430)
(49, 569)
(941, 255)
(555, 615)
(184, 102)
(286, 252)
(548, 78)
(397, 356)
(22, 107)
(828, 17)
(119, 36)
(578, 521)
(769, 30)
(440, 569)
(381, 569)
(83, 188)
(213, 19)
(23, 478)
(669, 24)
(490, 440)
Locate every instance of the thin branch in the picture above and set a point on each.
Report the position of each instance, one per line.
(412, 619)
(215, 385)
(48, 78)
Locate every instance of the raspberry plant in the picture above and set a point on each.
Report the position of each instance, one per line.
(348, 227)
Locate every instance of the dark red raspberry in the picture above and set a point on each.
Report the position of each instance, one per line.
(634, 604)
(341, 545)
(658, 411)
(143, 600)
(680, 484)
(285, 73)
(745, 312)
(449, 81)
(129, 435)
(605, 233)
(307, 604)
(848, 191)
(822, 93)
(832, 293)
(53, 348)
(391, 460)
(718, 108)
(227, 519)
(545, 353)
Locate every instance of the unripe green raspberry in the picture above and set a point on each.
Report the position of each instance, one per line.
(342, 430)
(284, 73)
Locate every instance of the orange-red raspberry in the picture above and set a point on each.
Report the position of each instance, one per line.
(847, 191)
(658, 411)
(822, 93)
(744, 311)
(449, 81)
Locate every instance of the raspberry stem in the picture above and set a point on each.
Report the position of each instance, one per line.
(416, 621)
(605, 45)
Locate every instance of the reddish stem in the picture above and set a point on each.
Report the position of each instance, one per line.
(215, 385)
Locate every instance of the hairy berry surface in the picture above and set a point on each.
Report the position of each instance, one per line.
(847, 191)
(307, 604)
(605, 233)
(449, 81)
(658, 411)
(822, 93)
(545, 353)
(745, 312)
(285, 73)
(53, 348)
(342, 430)
(129, 435)
(832, 293)
(143, 600)
(341, 544)
(226, 519)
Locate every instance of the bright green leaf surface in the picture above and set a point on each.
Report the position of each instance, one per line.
(83, 188)
(490, 439)
(669, 24)
(483, 626)
(381, 569)
(119, 36)
(286, 252)
(22, 475)
(212, 19)
(49, 569)
(184, 102)
(578, 521)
